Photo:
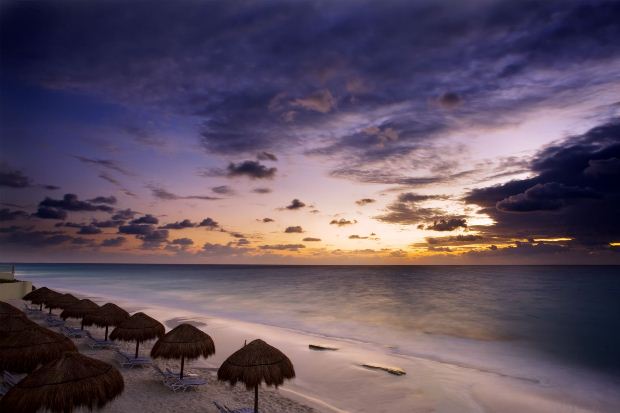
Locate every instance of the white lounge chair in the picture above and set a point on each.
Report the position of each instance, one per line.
(226, 409)
(175, 383)
(98, 344)
(72, 332)
(9, 380)
(128, 360)
(52, 321)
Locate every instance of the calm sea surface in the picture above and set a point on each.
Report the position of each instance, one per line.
(565, 315)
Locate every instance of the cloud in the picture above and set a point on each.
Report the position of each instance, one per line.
(311, 239)
(293, 230)
(70, 202)
(124, 214)
(50, 213)
(251, 169)
(220, 250)
(165, 195)
(104, 200)
(153, 239)
(146, 219)
(266, 156)
(261, 190)
(282, 247)
(342, 222)
(209, 223)
(37, 238)
(322, 101)
(563, 197)
(447, 224)
(236, 235)
(113, 242)
(184, 242)
(110, 223)
(12, 178)
(450, 100)
(454, 239)
(266, 220)
(406, 210)
(89, 230)
(8, 215)
(136, 229)
(104, 163)
(365, 201)
(355, 236)
(223, 190)
(186, 223)
(295, 204)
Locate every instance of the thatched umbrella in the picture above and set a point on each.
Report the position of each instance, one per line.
(39, 296)
(22, 351)
(61, 301)
(79, 310)
(255, 363)
(107, 315)
(7, 309)
(139, 327)
(184, 341)
(12, 323)
(72, 381)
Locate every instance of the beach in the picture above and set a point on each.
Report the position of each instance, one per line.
(335, 381)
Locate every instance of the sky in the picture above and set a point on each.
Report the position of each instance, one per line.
(310, 132)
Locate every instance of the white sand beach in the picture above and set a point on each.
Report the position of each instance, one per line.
(335, 381)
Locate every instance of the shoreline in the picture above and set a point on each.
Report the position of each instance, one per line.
(335, 381)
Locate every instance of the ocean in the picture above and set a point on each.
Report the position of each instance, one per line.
(534, 323)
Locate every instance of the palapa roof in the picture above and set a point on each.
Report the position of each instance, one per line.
(70, 382)
(62, 301)
(184, 340)
(255, 363)
(79, 309)
(41, 295)
(13, 323)
(8, 309)
(139, 327)
(22, 351)
(107, 315)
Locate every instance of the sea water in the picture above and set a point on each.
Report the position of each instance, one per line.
(533, 323)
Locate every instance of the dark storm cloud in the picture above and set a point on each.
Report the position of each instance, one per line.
(295, 204)
(89, 230)
(12, 178)
(293, 230)
(186, 223)
(447, 224)
(8, 215)
(50, 213)
(364, 201)
(266, 156)
(111, 200)
(570, 194)
(209, 223)
(111, 223)
(165, 195)
(283, 247)
(70, 202)
(296, 69)
(251, 169)
(342, 222)
(223, 190)
(136, 229)
(261, 190)
(406, 210)
(113, 242)
(311, 239)
(146, 219)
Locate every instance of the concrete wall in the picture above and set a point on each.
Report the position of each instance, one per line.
(14, 291)
(6, 275)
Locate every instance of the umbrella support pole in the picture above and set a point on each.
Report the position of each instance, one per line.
(106, 333)
(182, 365)
(137, 346)
(40, 307)
(256, 399)
(82, 325)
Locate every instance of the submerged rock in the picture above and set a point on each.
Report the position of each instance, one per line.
(317, 347)
(392, 370)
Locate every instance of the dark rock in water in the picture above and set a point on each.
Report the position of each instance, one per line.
(392, 370)
(317, 347)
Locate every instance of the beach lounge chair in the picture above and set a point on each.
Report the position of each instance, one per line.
(98, 344)
(52, 321)
(9, 380)
(31, 311)
(174, 383)
(128, 360)
(72, 332)
(226, 409)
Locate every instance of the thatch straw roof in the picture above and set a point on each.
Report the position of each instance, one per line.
(62, 301)
(79, 309)
(139, 327)
(186, 341)
(255, 363)
(37, 296)
(70, 382)
(13, 323)
(107, 315)
(8, 309)
(22, 351)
